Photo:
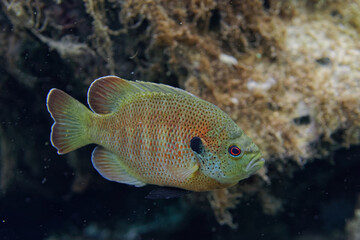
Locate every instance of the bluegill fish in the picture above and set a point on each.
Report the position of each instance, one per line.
(151, 133)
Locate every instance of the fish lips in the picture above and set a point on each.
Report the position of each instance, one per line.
(255, 164)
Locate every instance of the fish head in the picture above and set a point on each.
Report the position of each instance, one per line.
(234, 156)
(239, 158)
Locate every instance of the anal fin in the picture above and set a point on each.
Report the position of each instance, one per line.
(109, 166)
(167, 193)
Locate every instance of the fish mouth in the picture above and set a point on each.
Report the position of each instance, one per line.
(255, 164)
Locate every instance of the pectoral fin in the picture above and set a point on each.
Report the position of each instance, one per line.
(181, 174)
(110, 167)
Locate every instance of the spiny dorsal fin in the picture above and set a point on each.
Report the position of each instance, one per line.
(109, 166)
(106, 93)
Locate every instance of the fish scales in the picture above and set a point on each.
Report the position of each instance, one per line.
(145, 134)
(151, 131)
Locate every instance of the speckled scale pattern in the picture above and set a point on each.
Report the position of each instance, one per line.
(144, 132)
(151, 134)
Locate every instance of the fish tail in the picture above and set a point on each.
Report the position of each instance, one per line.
(71, 121)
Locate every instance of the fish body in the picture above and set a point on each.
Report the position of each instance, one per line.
(153, 134)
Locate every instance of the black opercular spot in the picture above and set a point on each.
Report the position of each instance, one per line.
(196, 145)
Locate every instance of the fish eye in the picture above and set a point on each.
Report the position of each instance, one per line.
(196, 145)
(234, 151)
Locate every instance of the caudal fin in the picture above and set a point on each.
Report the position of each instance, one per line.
(69, 130)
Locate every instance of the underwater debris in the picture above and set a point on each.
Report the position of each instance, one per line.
(221, 202)
(25, 13)
(230, 60)
(67, 47)
(271, 205)
(252, 85)
(101, 35)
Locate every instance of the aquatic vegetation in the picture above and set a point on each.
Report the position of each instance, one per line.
(221, 202)
(188, 47)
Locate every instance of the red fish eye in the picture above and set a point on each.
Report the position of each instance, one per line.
(234, 151)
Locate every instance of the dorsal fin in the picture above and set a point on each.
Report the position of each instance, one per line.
(106, 93)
